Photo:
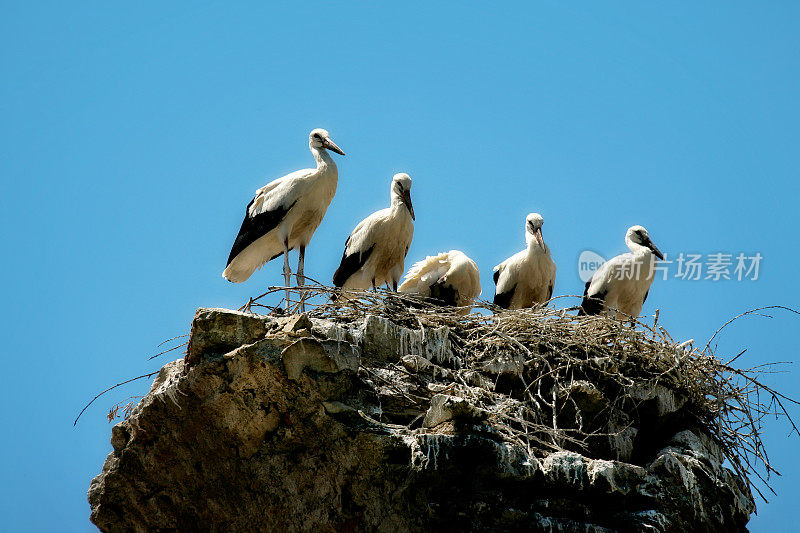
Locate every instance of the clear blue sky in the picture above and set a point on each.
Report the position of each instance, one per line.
(134, 134)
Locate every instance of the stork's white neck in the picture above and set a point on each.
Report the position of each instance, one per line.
(535, 248)
(398, 206)
(533, 245)
(637, 248)
(395, 200)
(323, 159)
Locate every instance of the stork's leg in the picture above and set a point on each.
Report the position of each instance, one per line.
(301, 280)
(287, 272)
(394, 285)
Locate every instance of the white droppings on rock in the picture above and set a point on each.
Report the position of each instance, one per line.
(565, 468)
(700, 445)
(651, 520)
(425, 449)
(166, 385)
(666, 401)
(621, 442)
(433, 446)
(445, 408)
(383, 339)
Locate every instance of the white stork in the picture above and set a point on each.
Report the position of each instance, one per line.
(375, 252)
(527, 277)
(284, 214)
(622, 283)
(450, 278)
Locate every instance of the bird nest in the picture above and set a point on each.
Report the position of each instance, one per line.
(547, 380)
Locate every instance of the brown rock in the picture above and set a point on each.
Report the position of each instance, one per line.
(274, 433)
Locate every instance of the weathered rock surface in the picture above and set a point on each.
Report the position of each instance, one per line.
(294, 425)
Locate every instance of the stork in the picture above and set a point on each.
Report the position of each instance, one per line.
(527, 277)
(450, 278)
(621, 284)
(284, 214)
(375, 251)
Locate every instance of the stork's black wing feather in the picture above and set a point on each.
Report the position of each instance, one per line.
(443, 293)
(504, 299)
(350, 264)
(591, 305)
(253, 228)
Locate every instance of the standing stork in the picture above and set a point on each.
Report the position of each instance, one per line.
(450, 278)
(622, 283)
(284, 214)
(527, 277)
(375, 252)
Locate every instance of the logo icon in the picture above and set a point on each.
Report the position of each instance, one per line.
(588, 263)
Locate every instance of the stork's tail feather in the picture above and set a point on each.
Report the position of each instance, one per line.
(236, 275)
(227, 274)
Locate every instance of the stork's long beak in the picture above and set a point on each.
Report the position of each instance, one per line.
(655, 249)
(407, 200)
(539, 238)
(330, 145)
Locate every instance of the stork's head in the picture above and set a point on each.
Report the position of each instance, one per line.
(637, 235)
(533, 228)
(401, 190)
(321, 140)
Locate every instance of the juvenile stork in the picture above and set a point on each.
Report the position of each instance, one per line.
(375, 252)
(622, 283)
(450, 278)
(527, 277)
(284, 214)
